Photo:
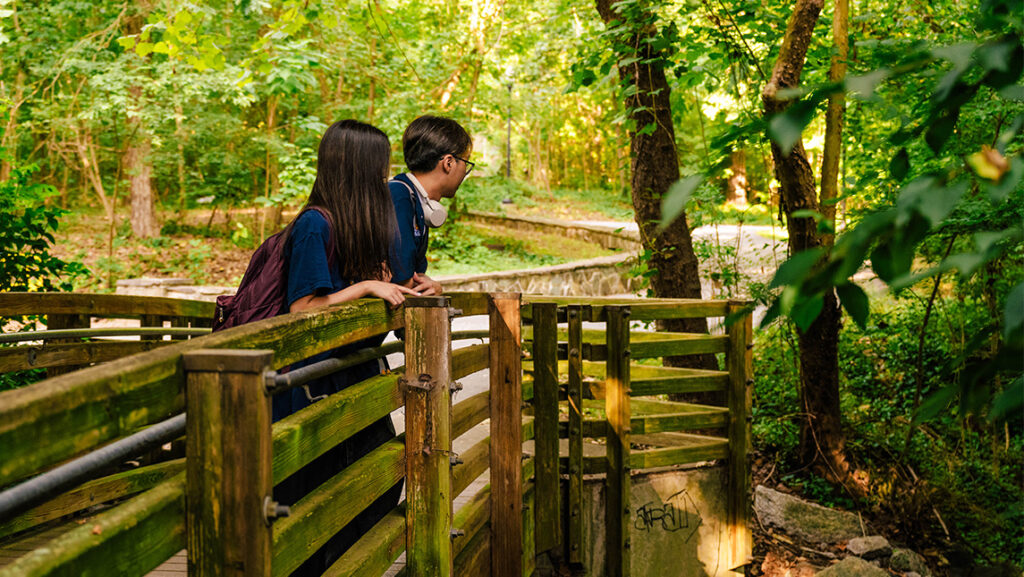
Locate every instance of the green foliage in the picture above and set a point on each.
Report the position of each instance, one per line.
(966, 468)
(26, 236)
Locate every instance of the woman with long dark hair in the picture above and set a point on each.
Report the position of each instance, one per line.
(338, 249)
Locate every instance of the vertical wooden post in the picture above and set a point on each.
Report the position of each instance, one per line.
(228, 463)
(574, 316)
(547, 520)
(154, 321)
(506, 436)
(739, 361)
(616, 402)
(56, 322)
(428, 437)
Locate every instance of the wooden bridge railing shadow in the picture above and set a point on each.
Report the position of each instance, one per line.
(216, 500)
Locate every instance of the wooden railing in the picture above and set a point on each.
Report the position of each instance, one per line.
(215, 502)
(70, 341)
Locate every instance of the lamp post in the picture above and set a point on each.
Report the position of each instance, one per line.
(508, 137)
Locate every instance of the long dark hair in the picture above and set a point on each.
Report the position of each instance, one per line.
(352, 164)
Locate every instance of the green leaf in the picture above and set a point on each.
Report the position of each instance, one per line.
(648, 130)
(899, 166)
(806, 312)
(1013, 315)
(796, 268)
(864, 86)
(941, 129)
(786, 127)
(143, 49)
(855, 301)
(1009, 402)
(675, 200)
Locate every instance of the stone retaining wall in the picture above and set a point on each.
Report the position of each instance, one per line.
(602, 276)
(608, 275)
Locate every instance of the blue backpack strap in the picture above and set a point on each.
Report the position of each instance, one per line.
(418, 214)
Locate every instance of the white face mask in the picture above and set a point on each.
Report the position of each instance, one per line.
(433, 211)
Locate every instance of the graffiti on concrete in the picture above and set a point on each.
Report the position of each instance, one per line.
(678, 513)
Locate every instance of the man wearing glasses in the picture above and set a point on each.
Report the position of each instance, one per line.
(436, 152)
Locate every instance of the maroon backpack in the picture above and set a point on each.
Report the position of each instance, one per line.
(262, 292)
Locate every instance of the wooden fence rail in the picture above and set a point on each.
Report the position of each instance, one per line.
(217, 500)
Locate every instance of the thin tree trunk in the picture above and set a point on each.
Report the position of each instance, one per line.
(834, 118)
(139, 167)
(655, 167)
(821, 430)
(179, 131)
(736, 186)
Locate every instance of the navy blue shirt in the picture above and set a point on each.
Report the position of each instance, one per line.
(410, 252)
(309, 271)
(312, 272)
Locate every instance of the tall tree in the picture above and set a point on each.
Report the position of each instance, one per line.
(821, 429)
(655, 161)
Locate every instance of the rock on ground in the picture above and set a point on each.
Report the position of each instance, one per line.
(854, 567)
(869, 548)
(908, 561)
(808, 521)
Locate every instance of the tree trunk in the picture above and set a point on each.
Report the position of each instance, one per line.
(655, 167)
(821, 430)
(736, 186)
(137, 164)
(834, 119)
(179, 131)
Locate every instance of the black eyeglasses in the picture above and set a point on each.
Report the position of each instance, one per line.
(469, 165)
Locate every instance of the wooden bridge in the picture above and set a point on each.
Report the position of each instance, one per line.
(563, 372)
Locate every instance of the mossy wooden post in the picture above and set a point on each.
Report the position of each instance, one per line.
(617, 512)
(574, 508)
(428, 441)
(506, 436)
(228, 462)
(547, 520)
(739, 362)
(62, 321)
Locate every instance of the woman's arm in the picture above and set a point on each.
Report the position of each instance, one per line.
(393, 293)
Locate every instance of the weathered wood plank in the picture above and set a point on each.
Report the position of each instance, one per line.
(61, 321)
(94, 493)
(692, 449)
(739, 361)
(574, 335)
(375, 551)
(472, 518)
(428, 408)
(645, 345)
(475, 461)
(529, 560)
(506, 434)
(643, 309)
(548, 521)
(470, 303)
(322, 513)
(617, 412)
(130, 539)
(79, 411)
(305, 435)
(474, 560)
(25, 357)
(712, 418)
(100, 305)
(469, 360)
(228, 462)
(470, 412)
(72, 334)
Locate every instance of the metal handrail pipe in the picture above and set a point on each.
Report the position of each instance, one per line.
(107, 332)
(298, 377)
(39, 489)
